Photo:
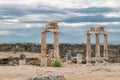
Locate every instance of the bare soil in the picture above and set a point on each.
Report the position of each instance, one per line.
(70, 72)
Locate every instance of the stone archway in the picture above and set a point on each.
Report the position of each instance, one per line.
(50, 27)
(97, 31)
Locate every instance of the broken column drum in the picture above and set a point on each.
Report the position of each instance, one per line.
(97, 31)
(68, 57)
(79, 58)
(50, 27)
(22, 59)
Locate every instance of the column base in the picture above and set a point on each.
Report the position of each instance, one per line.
(88, 63)
(88, 60)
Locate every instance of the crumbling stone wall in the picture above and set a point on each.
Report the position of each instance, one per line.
(13, 61)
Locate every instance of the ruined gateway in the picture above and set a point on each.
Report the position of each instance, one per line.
(50, 27)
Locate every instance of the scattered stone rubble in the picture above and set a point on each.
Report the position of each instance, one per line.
(47, 77)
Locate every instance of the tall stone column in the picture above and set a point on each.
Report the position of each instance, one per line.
(97, 47)
(43, 50)
(88, 48)
(105, 46)
(56, 45)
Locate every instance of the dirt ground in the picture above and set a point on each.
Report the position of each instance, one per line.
(70, 72)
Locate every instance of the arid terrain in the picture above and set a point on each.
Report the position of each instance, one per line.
(70, 71)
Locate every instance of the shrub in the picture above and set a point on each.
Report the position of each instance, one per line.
(56, 63)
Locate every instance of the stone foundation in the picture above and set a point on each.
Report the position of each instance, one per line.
(15, 61)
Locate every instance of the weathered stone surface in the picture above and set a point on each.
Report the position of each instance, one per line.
(96, 31)
(13, 61)
(50, 27)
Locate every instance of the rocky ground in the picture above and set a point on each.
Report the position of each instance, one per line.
(70, 72)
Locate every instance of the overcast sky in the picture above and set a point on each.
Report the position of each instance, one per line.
(23, 20)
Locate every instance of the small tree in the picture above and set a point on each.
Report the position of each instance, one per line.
(56, 63)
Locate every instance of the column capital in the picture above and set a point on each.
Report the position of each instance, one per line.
(97, 33)
(43, 32)
(106, 34)
(88, 33)
(55, 32)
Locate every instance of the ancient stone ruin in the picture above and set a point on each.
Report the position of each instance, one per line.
(110, 53)
(96, 31)
(50, 27)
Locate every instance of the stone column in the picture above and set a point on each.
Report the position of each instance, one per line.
(43, 50)
(97, 47)
(105, 46)
(88, 48)
(56, 45)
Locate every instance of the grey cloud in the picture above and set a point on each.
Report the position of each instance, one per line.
(21, 10)
(33, 21)
(96, 18)
(8, 10)
(18, 11)
(94, 10)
